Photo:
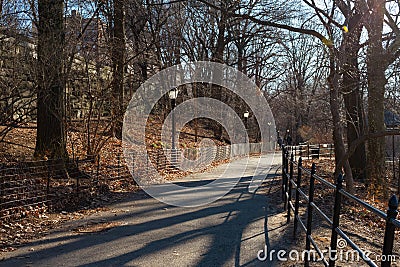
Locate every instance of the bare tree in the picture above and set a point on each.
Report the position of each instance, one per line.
(118, 65)
(51, 136)
(351, 82)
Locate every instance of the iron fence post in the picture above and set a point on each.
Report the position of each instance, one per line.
(290, 187)
(287, 164)
(158, 160)
(310, 215)
(393, 160)
(286, 178)
(147, 165)
(133, 164)
(2, 187)
(166, 162)
(335, 221)
(297, 201)
(119, 167)
(48, 179)
(77, 177)
(98, 170)
(283, 173)
(308, 151)
(390, 228)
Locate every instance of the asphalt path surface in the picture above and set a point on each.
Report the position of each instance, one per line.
(142, 231)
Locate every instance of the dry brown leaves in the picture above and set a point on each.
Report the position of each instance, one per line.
(96, 227)
(35, 221)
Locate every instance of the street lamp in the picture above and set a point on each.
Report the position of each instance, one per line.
(288, 138)
(173, 94)
(269, 133)
(279, 139)
(246, 116)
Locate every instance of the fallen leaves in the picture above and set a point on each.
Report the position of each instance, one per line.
(107, 183)
(95, 227)
(14, 234)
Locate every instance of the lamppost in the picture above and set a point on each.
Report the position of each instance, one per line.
(288, 138)
(393, 151)
(269, 133)
(173, 94)
(246, 116)
(279, 139)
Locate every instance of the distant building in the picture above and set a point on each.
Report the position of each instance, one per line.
(86, 40)
(17, 77)
(86, 37)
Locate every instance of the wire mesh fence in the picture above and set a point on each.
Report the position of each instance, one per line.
(34, 186)
(19, 190)
(31, 187)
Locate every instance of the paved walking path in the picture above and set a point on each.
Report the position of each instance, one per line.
(146, 232)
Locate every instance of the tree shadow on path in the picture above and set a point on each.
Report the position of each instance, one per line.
(233, 239)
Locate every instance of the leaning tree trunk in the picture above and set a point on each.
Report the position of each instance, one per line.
(340, 150)
(51, 136)
(376, 90)
(351, 94)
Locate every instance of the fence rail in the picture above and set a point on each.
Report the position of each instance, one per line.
(312, 151)
(291, 184)
(28, 186)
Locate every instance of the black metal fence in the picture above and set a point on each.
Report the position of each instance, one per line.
(393, 174)
(293, 195)
(312, 151)
(324, 151)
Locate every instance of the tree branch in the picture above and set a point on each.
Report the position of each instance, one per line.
(274, 24)
(325, 14)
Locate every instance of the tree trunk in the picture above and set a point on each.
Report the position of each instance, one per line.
(351, 94)
(340, 150)
(118, 61)
(51, 136)
(219, 57)
(1, 9)
(376, 89)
